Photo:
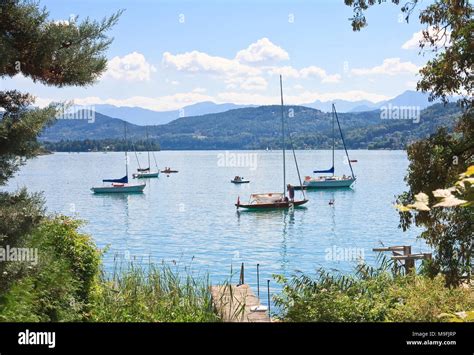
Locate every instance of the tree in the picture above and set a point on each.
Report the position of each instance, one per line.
(64, 53)
(437, 162)
(56, 53)
(449, 34)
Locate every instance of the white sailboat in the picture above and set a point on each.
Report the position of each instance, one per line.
(120, 185)
(330, 181)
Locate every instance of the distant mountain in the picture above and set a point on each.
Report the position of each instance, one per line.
(142, 116)
(342, 105)
(407, 98)
(259, 128)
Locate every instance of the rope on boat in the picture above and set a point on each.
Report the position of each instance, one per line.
(342, 137)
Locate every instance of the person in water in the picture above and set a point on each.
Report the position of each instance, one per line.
(291, 192)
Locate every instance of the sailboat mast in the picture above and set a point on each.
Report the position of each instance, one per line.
(333, 140)
(126, 148)
(148, 143)
(283, 135)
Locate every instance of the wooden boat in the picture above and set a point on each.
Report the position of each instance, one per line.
(119, 185)
(331, 181)
(272, 200)
(239, 180)
(146, 173)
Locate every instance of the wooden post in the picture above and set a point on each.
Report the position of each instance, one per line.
(409, 262)
(241, 279)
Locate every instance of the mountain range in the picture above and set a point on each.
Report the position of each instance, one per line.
(141, 116)
(257, 128)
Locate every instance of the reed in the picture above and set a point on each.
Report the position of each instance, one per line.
(153, 293)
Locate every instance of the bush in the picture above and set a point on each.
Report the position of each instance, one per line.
(60, 286)
(372, 295)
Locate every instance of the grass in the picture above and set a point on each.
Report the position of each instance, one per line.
(155, 293)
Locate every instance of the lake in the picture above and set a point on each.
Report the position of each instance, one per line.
(189, 218)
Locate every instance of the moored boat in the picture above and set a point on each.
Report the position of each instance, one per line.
(120, 185)
(331, 181)
(239, 180)
(278, 200)
(146, 173)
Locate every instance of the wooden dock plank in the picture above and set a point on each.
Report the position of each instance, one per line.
(233, 304)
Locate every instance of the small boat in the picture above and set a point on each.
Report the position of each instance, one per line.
(146, 173)
(169, 171)
(276, 200)
(269, 201)
(119, 185)
(330, 181)
(239, 180)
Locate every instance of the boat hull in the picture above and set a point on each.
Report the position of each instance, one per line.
(240, 182)
(118, 189)
(326, 184)
(270, 206)
(146, 175)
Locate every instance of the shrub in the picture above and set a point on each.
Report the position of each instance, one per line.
(371, 295)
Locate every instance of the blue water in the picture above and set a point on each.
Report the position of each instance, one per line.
(189, 218)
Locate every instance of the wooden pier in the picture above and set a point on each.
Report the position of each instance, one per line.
(402, 253)
(234, 303)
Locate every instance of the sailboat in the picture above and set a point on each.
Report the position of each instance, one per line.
(120, 185)
(144, 173)
(331, 181)
(275, 200)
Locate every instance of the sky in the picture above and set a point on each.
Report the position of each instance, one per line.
(169, 54)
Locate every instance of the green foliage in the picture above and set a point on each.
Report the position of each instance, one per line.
(61, 285)
(154, 294)
(371, 295)
(448, 34)
(52, 52)
(20, 213)
(19, 128)
(103, 145)
(436, 163)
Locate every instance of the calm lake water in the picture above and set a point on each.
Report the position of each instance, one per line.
(190, 218)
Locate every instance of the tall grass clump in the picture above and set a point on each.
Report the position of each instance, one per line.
(153, 293)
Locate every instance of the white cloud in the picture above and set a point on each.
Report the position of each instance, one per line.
(162, 103)
(417, 37)
(305, 73)
(246, 83)
(262, 51)
(131, 67)
(237, 73)
(195, 62)
(390, 66)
